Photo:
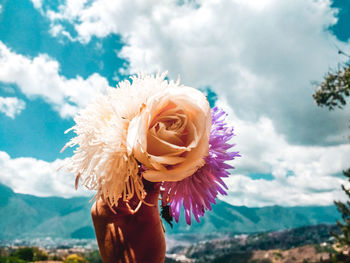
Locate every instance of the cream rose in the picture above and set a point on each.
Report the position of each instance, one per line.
(170, 134)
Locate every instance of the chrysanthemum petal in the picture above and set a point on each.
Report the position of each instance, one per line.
(197, 192)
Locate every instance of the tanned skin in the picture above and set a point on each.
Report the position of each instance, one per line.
(124, 237)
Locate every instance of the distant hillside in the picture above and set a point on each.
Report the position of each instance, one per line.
(241, 219)
(26, 216)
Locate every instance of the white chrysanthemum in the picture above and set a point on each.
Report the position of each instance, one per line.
(101, 159)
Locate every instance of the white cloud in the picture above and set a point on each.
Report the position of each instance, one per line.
(39, 76)
(0, 9)
(36, 177)
(253, 193)
(262, 57)
(11, 106)
(303, 175)
(37, 4)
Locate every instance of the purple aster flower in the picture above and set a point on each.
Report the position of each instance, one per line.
(197, 192)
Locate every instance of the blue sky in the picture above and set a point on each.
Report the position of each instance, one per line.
(260, 59)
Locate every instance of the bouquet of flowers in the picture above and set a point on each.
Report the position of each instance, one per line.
(158, 130)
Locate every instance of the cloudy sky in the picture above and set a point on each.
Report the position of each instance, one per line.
(261, 58)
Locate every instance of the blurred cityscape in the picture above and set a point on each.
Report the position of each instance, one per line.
(303, 244)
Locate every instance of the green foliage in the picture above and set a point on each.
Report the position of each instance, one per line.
(234, 257)
(277, 255)
(5, 257)
(74, 258)
(24, 253)
(55, 258)
(265, 260)
(39, 255)
(93, 257)
(325, 249)
(332, 92)
(14, 259)
(340, 258)
(344, 209)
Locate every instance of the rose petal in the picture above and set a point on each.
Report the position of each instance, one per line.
(169, 136)
(183, 170)
(158, 147)
(167, 159)
(155, 139)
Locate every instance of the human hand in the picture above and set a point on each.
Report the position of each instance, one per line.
(127, 237)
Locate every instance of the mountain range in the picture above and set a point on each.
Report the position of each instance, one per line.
(27, 216)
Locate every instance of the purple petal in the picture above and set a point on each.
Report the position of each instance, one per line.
(200, 190)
